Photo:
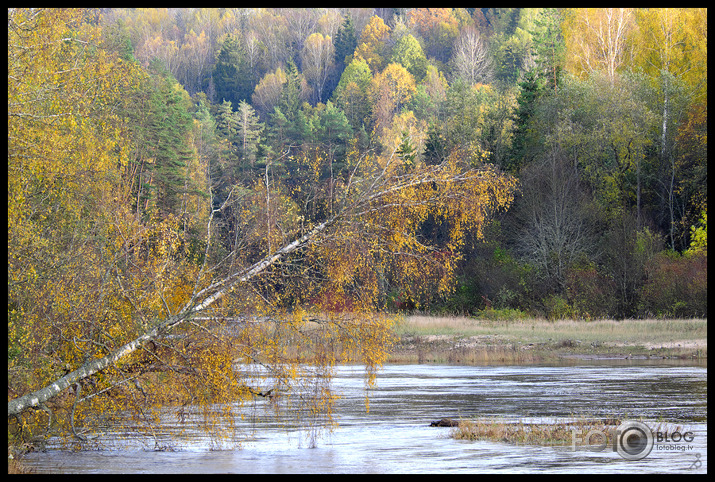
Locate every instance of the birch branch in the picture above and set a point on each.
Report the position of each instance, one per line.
(219, 289)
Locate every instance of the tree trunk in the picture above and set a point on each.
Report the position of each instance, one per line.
(217, 290)
(39, 397)
(383, 184)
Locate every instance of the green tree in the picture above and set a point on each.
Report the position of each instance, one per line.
(332, 130)
(225, 170)
(435, 146)
(345, 42)
(531, 89)
(466, 111)
(408, 53)
(406, 150)
(170, 128)
(231, 74)
(430, 95)
(294, 91)
(607, 128)
(512, 41)
(548, 45)
(162, 127)
(351, 94)
(206, 138)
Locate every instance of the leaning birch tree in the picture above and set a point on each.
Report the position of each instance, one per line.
(111, 313)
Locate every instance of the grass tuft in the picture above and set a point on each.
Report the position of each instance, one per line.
(558, 432)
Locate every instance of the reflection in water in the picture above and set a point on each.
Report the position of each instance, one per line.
(395, 435)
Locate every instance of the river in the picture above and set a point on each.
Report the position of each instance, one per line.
(395, 435)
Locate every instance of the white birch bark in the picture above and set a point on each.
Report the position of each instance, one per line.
(382, 185)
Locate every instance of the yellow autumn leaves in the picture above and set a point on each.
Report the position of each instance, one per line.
(89, 272)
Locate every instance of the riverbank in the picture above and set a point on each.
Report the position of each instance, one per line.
(465, 340)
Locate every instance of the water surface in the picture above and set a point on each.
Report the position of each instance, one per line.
(395, 435)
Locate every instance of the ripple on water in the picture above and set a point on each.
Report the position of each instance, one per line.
(395, 437)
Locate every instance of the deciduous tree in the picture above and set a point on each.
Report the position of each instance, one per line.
(351, 94)
(598, 39)
(389, 91)
(317, 60)
(408, 53)
(372, 47)
(471, 60)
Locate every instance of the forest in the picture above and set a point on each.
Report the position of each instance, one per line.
(290, 177)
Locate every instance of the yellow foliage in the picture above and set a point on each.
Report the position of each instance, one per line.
(296, 289)
(371, 47)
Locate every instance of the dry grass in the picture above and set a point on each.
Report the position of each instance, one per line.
(470, 340)
(518, 432)
(536, 330)
(559, 432)
(539, 330)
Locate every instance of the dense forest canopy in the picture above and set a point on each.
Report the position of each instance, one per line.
(192, 186)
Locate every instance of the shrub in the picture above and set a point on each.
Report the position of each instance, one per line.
(558, 308)
(591, 294)
(676, 286)
(502, 314)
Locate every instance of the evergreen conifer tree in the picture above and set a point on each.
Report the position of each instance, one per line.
(248, 132)
(232, 74)
(168, 129)
(345, 42)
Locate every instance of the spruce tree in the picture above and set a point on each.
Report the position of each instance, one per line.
(345, 42)
(548, 46)
(291, 97)
(169, 123)
(332, 130)
(532, 88)
(232, 74)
